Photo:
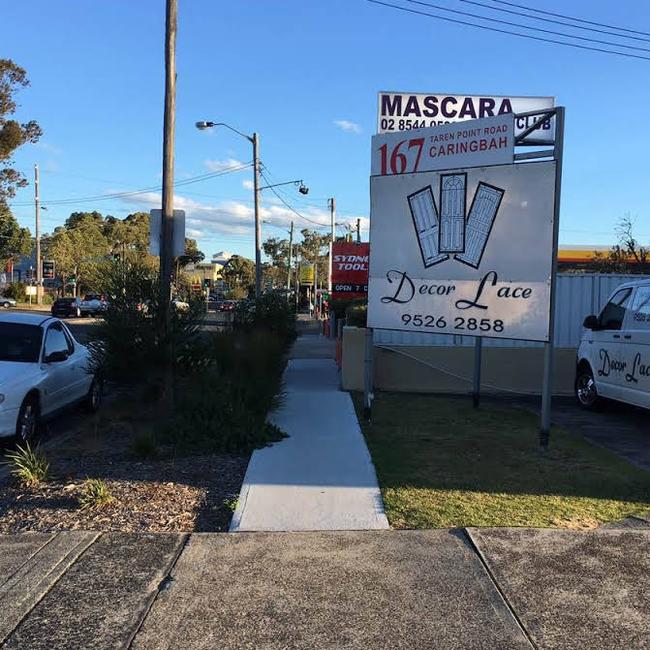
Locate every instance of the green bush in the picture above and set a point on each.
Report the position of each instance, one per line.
(356, 314)
(48, 298)
(130, 344)
(16, 290)
(223, 406)
(271, 312)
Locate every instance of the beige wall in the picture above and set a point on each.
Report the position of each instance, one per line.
(517, 369)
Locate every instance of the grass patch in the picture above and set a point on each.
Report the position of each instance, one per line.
(442, 464)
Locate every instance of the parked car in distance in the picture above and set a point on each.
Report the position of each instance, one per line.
(93, 304)
(43, 370)
(66, 308)
(7, 302)
(228, 305)
(614, 353)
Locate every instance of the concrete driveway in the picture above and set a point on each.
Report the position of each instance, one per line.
(412, 590)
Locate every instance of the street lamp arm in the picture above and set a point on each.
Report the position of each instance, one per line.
(209, 125)
(297, 182)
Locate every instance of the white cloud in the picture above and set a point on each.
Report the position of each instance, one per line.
(221, 165)
(236, 219)
(348, 126)
(247, 184)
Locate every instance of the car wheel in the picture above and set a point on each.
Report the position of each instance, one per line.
(6, 305)
(585, 389)
(94, 396)
(28, 420)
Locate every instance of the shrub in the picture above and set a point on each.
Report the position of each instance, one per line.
(28, 465)
(48, 298)
(271, 312)
(94, 494)
(356, 314)
(223, 407)
(16, 290)
(131, 343)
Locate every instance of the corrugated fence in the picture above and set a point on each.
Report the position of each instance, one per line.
(577, 297)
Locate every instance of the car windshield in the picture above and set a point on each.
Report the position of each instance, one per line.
(65, 301)
(20, 342)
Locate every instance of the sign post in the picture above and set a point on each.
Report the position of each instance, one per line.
(549, 348)
(468, 249)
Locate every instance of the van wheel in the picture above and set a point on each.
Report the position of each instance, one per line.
(585, 389)
(27, 427)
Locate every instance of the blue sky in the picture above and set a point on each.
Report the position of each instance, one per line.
(290, 70)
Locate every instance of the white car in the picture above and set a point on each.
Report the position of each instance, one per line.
(614, 353)
(7, 302)
(43, 370)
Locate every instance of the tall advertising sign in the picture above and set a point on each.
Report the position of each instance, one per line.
(464, 250)
(400, 111)
(349, 270)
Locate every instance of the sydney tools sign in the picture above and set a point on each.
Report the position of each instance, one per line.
(349, 270)
(465, 144)
(404, 111)
(464, 251)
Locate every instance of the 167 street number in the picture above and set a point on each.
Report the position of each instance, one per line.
(460, 323)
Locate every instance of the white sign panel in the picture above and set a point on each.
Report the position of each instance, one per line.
(404, 111)
(155, 232)
(477, 143)
(466, 251)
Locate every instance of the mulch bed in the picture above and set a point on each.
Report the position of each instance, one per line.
(171, 493)
(181, 495)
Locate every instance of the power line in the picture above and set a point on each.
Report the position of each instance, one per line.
(155, 188)
(291, 207)
(541, 30)
(578, 20)
(508, 32)
(556, 22)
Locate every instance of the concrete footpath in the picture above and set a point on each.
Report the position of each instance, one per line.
(321, 477)
(411, 590)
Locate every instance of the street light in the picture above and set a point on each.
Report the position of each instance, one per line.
(255, 141)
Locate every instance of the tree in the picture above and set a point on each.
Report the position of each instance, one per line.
(314, 250)
(192, 253)
(627, 256)
(239, 273)
(14, 240)
(277, 250)
(13, 134)
(78, 251)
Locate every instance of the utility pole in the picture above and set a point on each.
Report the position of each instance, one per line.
(332, 206)
(258, 228)
(37, 207)
(167, 240)
(358, 231)
(290, 255)
(166, 252)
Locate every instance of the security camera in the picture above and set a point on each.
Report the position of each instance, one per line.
(303, 189)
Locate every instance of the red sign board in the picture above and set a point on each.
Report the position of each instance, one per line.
(350, 270)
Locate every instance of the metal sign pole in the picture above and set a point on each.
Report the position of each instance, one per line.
(476, 392)
(549, 347)
(367, 376)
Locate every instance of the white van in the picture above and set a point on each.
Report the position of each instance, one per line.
(614, 353)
